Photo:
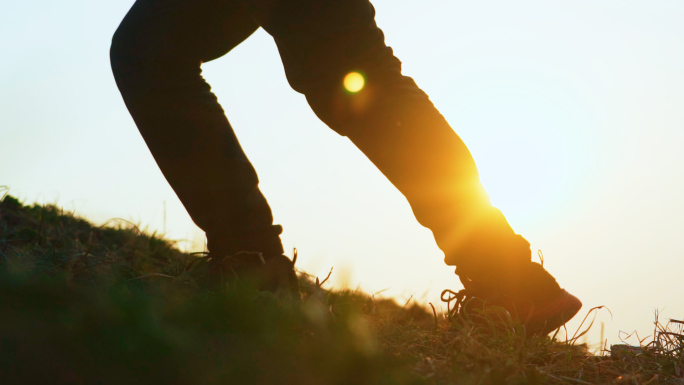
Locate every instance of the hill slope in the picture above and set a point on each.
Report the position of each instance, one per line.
(112, 304)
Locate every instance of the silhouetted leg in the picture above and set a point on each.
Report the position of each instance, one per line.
(394, 123)
(156, 56)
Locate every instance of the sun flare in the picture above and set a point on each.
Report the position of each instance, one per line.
(354, 82)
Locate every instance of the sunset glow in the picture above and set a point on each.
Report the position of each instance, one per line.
(571, 110)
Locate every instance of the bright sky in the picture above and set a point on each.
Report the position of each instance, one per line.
(573, 111)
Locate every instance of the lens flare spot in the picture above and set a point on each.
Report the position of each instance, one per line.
(354, 82)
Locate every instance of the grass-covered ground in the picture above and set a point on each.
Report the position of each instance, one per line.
(112, 304)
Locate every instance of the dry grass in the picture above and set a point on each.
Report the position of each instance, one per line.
(112, 304)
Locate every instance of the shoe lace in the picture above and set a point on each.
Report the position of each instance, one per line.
(449, 296)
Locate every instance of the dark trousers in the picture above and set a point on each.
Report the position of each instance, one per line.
(157, 54)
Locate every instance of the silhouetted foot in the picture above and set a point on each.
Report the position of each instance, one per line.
(275, 274)
(532, 297)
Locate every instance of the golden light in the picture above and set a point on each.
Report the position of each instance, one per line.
(354, 82)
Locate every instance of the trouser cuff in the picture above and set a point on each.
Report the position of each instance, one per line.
(266, 242)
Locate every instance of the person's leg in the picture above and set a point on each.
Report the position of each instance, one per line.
(395, 125)
(156, 56)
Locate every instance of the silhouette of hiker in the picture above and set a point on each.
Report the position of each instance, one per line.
(156, 57)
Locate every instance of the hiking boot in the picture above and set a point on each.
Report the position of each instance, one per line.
(275, 274)
(532, 297)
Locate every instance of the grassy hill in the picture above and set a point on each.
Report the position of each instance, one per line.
(112, 304)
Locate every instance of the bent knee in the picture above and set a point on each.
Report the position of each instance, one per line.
(347, 108)
(137, 56)
(126, 55)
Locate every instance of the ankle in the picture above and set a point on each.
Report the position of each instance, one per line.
(528, 281)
